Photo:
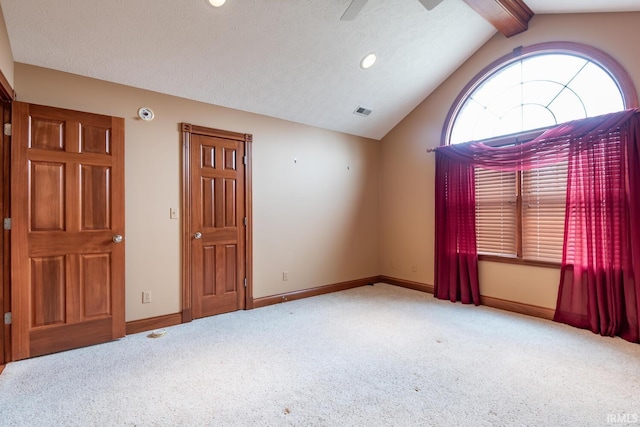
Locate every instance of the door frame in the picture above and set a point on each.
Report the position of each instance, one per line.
(7, 95)
(5, 245)
(187, 293)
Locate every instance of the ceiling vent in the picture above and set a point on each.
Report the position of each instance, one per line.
(361, 111)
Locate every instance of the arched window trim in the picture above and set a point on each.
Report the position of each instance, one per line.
(618, 74)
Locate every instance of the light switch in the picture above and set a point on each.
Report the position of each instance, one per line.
(173, 213)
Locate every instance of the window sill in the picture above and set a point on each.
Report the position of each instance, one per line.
(519, 261)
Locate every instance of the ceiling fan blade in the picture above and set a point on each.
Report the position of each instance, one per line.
(430, 4)
(352, 11)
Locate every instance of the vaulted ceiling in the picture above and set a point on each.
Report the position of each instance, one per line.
(291, 59)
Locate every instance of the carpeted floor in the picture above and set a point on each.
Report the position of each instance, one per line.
(371, 356)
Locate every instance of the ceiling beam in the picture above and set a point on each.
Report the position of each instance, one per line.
(510, 17)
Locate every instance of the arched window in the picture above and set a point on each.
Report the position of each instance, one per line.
(520, 215)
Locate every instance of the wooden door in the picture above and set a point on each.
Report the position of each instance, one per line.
(67, 210)
(215, 227)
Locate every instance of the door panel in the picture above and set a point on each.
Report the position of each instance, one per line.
(47, 196)
(95, 210)
(94, 139)
(48, 290)
(95, 286)
(47, 134)
(67, 205)
(216, 200)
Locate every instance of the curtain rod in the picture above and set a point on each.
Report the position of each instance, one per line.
(432, 150)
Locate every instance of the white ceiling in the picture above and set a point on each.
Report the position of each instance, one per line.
(291, 59)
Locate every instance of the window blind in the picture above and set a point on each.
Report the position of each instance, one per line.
(496, 212)
(543, 211)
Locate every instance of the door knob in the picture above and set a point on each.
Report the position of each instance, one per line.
(198, 235)
(117, 238)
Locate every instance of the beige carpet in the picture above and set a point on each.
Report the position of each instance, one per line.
(372, 356)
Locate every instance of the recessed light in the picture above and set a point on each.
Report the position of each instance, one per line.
(216, 3)
(368, 61)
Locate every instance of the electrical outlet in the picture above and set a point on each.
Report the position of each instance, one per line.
(414, 267)
(285, 276)
(146, 297)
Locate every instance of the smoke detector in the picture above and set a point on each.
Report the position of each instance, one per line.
(145, 114)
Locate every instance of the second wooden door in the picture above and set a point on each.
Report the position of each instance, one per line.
(216, 224)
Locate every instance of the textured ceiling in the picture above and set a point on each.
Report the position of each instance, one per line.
(291, 59)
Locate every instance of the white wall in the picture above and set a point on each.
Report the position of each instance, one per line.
(315, 218)
(6, 58)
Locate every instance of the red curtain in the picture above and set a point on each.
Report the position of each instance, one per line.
(631, 139)
(598, 287)
(456, 263)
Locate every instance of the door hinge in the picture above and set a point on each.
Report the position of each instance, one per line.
(7, 318)
(245, 282)
(245, 221)
(244, 160)
(7, 129)
(7, 223)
